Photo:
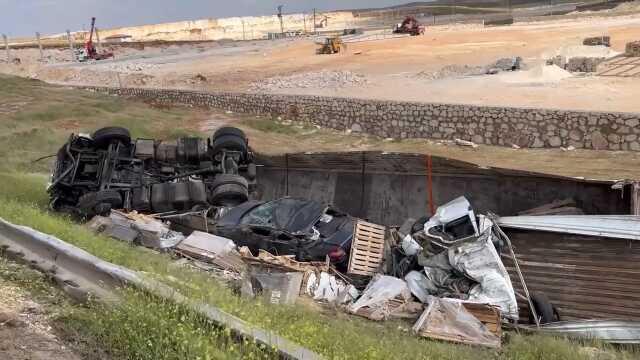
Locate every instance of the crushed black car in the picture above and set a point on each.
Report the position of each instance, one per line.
(108, 170)
(290, 226)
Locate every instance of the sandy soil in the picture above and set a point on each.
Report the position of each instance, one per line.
(25, 333)
(391, 67)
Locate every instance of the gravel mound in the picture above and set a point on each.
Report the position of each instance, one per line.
(322, 79)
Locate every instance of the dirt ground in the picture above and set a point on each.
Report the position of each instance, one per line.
(394, 68)
(25, 332)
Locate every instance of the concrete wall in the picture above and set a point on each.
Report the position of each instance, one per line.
(534, 128)
(389, 188)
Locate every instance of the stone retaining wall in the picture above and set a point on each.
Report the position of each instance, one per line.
(533, 128)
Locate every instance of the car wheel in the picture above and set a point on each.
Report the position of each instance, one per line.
(229, 138)
(544, 309)
(99, 203)
(105, 136)
(229, 190)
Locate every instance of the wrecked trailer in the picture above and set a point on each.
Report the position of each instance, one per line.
(388, 188)
(108, 170)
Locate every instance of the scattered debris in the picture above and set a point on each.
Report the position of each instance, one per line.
(383, 296)
(330, 289)
(275, 287)
(584, 64)
(633, 49)
(597, 41)
(212, 249)
(505, 64)
(466, 143)
(136, 228)
(460, 321)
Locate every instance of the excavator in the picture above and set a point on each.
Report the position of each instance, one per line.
(90, 52)
(409, 26)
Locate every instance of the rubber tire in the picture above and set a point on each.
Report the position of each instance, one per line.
(229, 130)
(544, 309)
(229, 138)
(89, 204)
(229, 190)
(105, 136)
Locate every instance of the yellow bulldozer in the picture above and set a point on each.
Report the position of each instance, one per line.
(332, 45)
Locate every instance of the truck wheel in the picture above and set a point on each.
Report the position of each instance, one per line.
(105, 136)
(229, 138)
(99, 203)
(544, 309)
(229, 190)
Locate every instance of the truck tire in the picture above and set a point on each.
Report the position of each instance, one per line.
(99, 203)
(229, 138)
(105, 136)
(544, 309)
(228, 190)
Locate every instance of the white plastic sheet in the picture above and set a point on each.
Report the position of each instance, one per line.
(448, 319)
(328, 288)
(380, 290)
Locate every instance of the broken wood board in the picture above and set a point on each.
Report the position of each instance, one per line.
(367, 248)
(283, 262)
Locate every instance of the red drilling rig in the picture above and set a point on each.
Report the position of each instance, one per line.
(90, 52)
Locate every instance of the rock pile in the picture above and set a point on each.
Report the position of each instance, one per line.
(453, 70)
(597, 40)
(633, 49)
(322, 79)
(583, 64)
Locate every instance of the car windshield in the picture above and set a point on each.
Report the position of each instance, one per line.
(262, 215)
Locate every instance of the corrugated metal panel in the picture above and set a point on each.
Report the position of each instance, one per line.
(586, 277)
(610, 226)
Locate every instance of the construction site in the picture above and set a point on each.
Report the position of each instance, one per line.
(433, 180)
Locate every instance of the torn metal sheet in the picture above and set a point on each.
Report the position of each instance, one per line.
(611, 331)
(610, 226)
(462, 322)
(480, 261)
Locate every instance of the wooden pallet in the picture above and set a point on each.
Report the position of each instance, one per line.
(367, 248)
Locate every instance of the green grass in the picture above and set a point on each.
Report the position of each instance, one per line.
(145, 327)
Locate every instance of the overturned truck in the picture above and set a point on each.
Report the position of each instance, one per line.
(108, 170)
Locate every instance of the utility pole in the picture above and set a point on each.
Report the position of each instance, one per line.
(6, 46)
(314, 22)
(280, 17)
(39, 45)
(304, 21)
(71, 47)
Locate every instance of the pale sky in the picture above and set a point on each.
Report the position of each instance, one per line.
(25, 17)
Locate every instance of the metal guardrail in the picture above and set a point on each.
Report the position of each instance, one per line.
(81, 275)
